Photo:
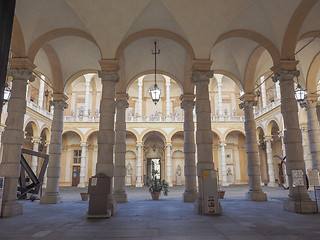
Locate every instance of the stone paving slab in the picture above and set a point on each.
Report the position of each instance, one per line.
(170, 218)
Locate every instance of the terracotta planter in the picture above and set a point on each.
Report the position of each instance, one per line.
(155, 195)
(84, 196)
(221, 194)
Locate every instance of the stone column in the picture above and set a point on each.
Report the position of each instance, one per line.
(139, 182)
(87, 98)
(255, 191)
(168, 101)
(313, 129)
(13, 138)
(263, 93)
(44, 185)
(84, 146)
(271, 173)
(223, 164)
(306, 148)
(299, 200)
(41, 92)
(34, 160)
(119, 192)
(52, 195)
(169, 169)
(219, 85)
(190, 192)
(106, 134)
(140, 84)
(204, 134)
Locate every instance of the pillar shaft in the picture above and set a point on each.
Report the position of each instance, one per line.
(204, 133)
(119, 192)
(168, 100)
(223, 164)
(13, 138)
(41, 92)
(139, 182)
(271, 173)
(52, 195)
(87, 96)
(263, 93)
(34, 160)
(255, 192)
(219, 85)
(190, 193)
(299, 200)
(306, 148)
(84, 146)
(169, 169)
(106, 130)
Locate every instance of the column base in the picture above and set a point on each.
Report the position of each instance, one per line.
(139, 184)
(225, 184)
(257, 196)
(190, 196)
(10, 210)
(51, 198)
(272, 184)
(300, 206)
(112, 207)
(81, 185)
(120, 197)
(170, 184)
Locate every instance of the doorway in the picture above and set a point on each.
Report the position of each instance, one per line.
(75, 175)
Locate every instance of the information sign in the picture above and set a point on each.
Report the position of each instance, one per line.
(313, 176)
(297, 178)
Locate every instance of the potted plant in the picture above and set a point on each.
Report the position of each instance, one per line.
(156, 186)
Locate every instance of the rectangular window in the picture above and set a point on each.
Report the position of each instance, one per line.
(77, 156)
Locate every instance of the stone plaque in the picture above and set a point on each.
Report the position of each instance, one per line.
(313, 176)
(297, 178)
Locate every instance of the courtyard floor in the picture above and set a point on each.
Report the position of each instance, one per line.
(169, 218)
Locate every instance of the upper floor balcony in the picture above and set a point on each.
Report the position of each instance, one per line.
(258, 112)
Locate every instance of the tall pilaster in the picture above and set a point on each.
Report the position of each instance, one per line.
(52, 195)
(278, 93)
(106, 136)
(255, 191)
(223, 164)
(168, 100)
(41, 91)
(169, 169)
(140, 85)
(34, 160)
(139, 182)
(200, 77)
(271, 173)
(119, 192)
(190, 193)
(45, 180)
(299, 200)
(84, 146)
(13, 138)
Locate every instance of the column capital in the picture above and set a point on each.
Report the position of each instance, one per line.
(222, 144)
(88, 77)
(202, 65)
(121, 104)
(168, 79)
(310, 101)
(59, 103)
(247, 99)
(201, 76)
(21, 74)
(36, 140)
(187, 100)
(268, 138)
(169, 144)
(139, 144)
(112, 76)
(22, 63)
(285, 75)
(84, 144)
(47, 143)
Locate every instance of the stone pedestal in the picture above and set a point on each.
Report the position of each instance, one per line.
(128, 180)
(179, 181)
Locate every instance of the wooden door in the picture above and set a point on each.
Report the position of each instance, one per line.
(75, 175)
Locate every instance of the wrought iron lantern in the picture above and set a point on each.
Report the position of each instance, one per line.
(155, 92)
